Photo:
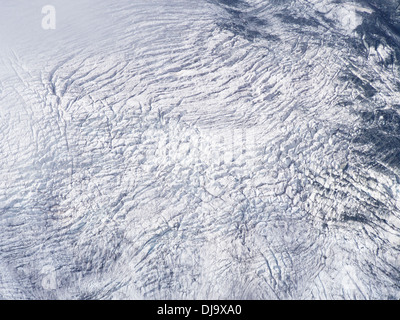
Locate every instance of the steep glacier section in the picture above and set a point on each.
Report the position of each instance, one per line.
(200, 150)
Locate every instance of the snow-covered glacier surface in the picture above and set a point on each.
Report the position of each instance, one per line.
(210, 149)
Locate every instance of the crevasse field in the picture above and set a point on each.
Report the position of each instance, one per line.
(209, 149)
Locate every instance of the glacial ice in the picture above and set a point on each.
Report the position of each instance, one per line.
(200, 150)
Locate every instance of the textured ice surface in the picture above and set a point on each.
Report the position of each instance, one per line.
(200, 150)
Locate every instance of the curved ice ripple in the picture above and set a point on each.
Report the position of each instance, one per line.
(202, 150)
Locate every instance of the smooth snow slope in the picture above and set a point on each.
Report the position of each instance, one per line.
(200, 150)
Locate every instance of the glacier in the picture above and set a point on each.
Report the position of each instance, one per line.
(210, 149)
